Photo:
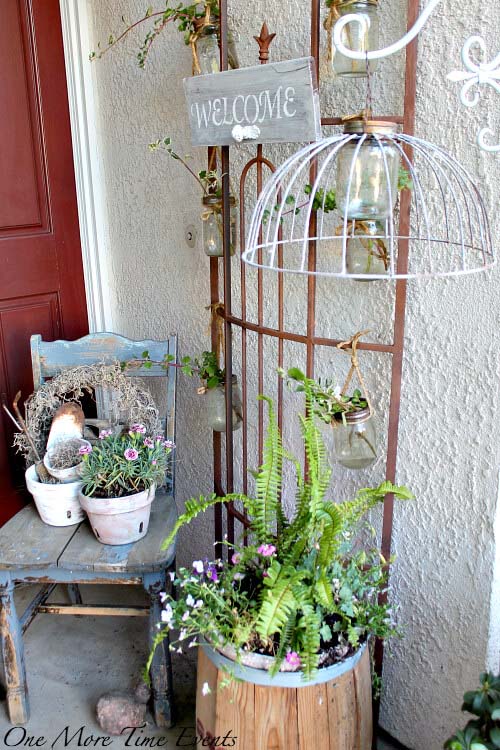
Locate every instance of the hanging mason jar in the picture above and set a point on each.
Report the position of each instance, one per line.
(366, 248)
(216, 407)
(213, 225)
(207, 48)
(368, 189)
(355, 439)
(357, 37)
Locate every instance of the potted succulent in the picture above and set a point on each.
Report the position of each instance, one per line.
(482, 732)
(213, 380)
(299, 599)
(120, 474)
(350, 416)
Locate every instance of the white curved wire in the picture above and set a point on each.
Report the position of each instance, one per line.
(472, 236)
(385, 51)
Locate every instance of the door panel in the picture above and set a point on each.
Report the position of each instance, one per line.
(41, 275)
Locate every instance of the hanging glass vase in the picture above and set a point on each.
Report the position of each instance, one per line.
(216, 406)
(366, 249)
(355, 439)
(213, 225)
(207, 48)
(355, 36)
(367, 171)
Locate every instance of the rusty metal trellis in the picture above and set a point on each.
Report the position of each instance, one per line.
(310, 340)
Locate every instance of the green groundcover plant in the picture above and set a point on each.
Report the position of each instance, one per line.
(120, 465)
(294, 589)
(482, 732)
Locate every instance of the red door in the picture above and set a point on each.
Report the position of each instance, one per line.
(41, 275)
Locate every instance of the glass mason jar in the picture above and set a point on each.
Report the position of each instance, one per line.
(375, 172)
(213, 227)
(358, 37)
(207, 48)
(355, 442)
(364, 254)
(216, 407)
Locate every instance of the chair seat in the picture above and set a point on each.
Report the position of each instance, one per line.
(26, 542)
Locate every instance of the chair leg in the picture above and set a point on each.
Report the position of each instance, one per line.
(13, 655)
(74, 593)
(161, 667)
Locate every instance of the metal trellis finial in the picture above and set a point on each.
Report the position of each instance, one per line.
(264, 41)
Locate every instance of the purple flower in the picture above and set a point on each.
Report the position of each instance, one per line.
(236, 558)
(105, 434)
(266, 550)
(159, 438)
(148, 443)
(83, 449)
(168, 444)
(131, 454)
(138, 428)
(293, 659)
(212, 574)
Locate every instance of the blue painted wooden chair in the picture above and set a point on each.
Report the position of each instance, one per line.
(31, 552)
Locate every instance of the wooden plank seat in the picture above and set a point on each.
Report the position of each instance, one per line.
(32, 552)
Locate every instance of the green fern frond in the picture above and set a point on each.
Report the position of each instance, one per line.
(323, 592)
(269, 480)
(367, 498)
(309, 624)
(196, 506)
(285, 643)
(278, 601)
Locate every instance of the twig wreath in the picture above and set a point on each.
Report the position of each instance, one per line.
(72, 385)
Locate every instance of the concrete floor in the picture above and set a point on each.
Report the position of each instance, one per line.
(72, 661)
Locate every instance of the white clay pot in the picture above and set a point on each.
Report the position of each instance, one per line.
(57, 504)
(64, 475)
(119, 520)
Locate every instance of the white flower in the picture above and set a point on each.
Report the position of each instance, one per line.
(198, 603)
(167, 614)
(179, 650)
(198, 566)
(183, 634)
(193, 644)
(205, 690)
(189, 600)
(185, 616)
(337, 391)
(172, 575)
(163, 596)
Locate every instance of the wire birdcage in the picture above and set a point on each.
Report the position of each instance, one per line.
(345, 192)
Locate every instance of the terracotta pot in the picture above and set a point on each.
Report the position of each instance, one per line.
(119, 520)
(57, 504)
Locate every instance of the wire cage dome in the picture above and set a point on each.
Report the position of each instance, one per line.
(345, 193)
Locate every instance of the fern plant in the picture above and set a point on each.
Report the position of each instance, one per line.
(300, 589)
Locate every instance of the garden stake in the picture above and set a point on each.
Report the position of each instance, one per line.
(42, 473)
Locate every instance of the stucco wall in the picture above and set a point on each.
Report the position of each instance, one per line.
(450, 433)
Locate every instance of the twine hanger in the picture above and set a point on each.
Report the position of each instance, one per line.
(217, 320)
(351, 347)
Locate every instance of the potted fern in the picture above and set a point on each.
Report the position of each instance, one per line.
(298, 599)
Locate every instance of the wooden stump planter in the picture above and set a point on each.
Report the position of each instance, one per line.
(259, 712)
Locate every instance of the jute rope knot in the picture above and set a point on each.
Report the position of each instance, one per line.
(351, 346)
(217, 323)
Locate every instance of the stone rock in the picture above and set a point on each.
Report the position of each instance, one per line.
(142, 692)
(118, 710)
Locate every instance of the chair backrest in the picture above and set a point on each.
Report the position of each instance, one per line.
(49, 358)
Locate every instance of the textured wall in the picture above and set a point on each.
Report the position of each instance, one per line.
(443, 579)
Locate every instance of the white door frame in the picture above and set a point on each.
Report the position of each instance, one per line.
(88, 174)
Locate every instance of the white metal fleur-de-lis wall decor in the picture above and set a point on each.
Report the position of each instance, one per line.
(476, 76)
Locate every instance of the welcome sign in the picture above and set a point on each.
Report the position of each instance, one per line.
(273, 103)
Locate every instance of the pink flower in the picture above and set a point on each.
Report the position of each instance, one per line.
(154, 462)
(83, 449)
(138, 428)
(236, 558)
(293, 659)
(104, 434)
(148, 443)
(266, 550)
(131, 454)
(159, 438)
(168, 444)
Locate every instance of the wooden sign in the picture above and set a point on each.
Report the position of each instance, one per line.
(273, 103)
